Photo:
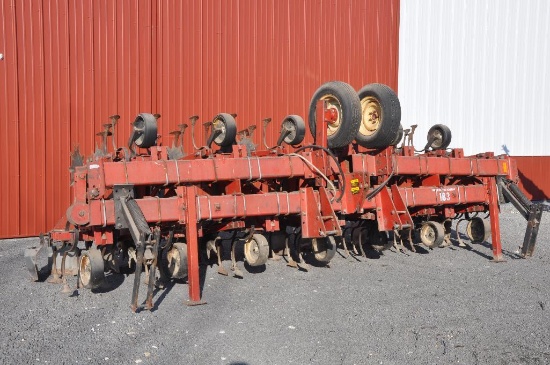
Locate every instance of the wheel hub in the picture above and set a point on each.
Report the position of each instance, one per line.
(371, 116)
(332, 115)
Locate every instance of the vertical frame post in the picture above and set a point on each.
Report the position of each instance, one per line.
(192, 238)
(495, 223)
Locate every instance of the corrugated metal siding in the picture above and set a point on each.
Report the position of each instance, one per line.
(534, 176)
(482, 68)
(266, 58)
(69, 65)
(9, 125)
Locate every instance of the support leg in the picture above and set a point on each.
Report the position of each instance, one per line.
(495, 223)
(192, 237)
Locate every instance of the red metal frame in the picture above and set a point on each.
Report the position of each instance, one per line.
(270, 190)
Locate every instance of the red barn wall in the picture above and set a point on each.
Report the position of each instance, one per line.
(69, 65)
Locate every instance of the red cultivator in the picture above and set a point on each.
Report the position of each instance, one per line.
(156, 207)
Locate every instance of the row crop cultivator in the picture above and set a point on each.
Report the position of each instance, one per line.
(361, 183)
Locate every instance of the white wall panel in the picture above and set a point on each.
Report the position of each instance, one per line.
(480, 67)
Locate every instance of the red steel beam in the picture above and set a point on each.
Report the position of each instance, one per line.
(221, 168)
(443, 195)
(422, 165)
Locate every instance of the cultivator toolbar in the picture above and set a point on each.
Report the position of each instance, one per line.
(361, 183)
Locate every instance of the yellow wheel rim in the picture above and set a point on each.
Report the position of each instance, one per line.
(371, 116)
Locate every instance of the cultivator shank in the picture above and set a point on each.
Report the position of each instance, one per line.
(147, 206)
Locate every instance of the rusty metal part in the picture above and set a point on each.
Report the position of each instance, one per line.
(114, 121)
(31, 255)
(533, 224)
(140, 249)
(152, 270)
(193, 119)
(410, 135)
(265, 122)
(77, 160)
(447, 225)
(236, 271)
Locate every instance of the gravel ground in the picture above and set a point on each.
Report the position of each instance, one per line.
(441, 306)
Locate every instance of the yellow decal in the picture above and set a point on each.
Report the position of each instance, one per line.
(505, 167)
(354, 186)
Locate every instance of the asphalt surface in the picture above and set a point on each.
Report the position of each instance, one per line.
(441, 306)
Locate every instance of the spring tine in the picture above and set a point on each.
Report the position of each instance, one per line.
(221, 268)
(237, 272)
(360, 243)
(291, 261)
(265, 122)
(139, 268)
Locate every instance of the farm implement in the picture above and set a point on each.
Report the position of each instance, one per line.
(360, 185)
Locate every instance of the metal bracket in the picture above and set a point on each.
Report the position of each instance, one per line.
(121, 191)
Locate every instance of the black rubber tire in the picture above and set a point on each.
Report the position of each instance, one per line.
(227, 138)
(390, 117)
(351, 112)
(324, 249)
(379, 240)
(177, 261)
(145, 127)
(299, 129)
(443, 134)
(398, 137)
(478, 229)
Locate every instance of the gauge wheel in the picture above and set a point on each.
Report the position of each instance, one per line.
(432, 234)
(145, 130)
(342, 109)
(176, 259)
(440, 135)
(478, 229)
(295, 126)
(398, 137)
(91, 269)
(256, 250)
(324, 249)
(380, 116)
(227, 126)
(379, 240)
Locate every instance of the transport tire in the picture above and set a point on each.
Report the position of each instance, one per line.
(380, 116)
(256, 250)
(432, 234)
(91, 269)
(177, 261)
(343, 99)
(442, 137)
(296, 127)
(324, 249)
(478, 229)
(226, 123)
